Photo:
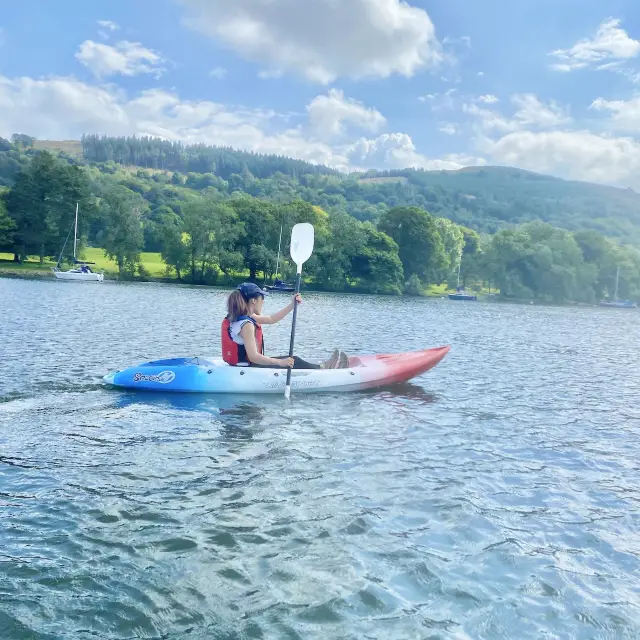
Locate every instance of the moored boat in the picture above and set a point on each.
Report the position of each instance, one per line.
(82, 272)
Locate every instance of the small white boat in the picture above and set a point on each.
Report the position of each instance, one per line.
(83, 271)
(460, 293)
(78, 274)
(616, 303)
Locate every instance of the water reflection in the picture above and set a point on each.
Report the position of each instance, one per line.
(213, 404)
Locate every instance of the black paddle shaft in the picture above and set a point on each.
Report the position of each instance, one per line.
(293, 325)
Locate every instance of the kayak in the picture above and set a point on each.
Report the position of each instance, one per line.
(201, 375)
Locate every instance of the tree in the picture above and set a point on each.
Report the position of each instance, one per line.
(377, 263)
(122, 238)
(259, 228)
(7, 226)
(416, 234)
(174, 248)
(334, 256)
(22, 140)
(538, 260)
(453, 241)
(211, 230)
(42, 203)
(472, 256)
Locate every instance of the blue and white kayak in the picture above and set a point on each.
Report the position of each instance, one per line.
(201, 375)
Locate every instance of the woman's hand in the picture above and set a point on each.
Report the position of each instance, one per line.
(285, 363)
(296, 298)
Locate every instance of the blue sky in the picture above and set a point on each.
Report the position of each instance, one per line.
(545, 85)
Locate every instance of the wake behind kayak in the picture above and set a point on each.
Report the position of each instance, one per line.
(201, 375)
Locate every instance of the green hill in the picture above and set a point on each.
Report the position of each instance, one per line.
(483, 198)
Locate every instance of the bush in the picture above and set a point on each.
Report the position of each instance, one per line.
(413, 287)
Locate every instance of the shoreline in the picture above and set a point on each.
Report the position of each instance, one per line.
(42, 274)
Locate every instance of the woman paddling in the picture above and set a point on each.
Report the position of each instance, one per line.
(242, 341)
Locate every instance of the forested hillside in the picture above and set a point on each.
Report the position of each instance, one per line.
(214, 212)
(484, 198)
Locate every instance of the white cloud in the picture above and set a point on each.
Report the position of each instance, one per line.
(124, 58)
(218, 72)
(489, 120)
(65, 108)
(440, 101)
(579, 155)
(109, 25)
(611, 43)
(530, 111)
(540, 136)
(328, 115)
(393, 151)
(488, 99)
(107, 28)
(448, 127)
(322, 39)
(624, 114)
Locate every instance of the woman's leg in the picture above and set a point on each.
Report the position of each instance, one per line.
(298, 363)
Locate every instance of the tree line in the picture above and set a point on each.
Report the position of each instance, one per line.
(157, 153)
(212, 236)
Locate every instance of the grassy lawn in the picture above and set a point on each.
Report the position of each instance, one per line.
(436, 290)
(152, 262)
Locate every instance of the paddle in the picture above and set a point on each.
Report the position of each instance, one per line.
(302, 237)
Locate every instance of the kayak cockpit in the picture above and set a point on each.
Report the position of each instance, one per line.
(182, 362)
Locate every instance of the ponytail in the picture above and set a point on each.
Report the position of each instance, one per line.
(236, 306)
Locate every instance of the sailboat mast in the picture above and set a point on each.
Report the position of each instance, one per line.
(459, 265)
(75, 234)
(278, 260)
(615, 297)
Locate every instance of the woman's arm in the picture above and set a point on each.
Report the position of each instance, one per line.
(248, 333)
(278, 315)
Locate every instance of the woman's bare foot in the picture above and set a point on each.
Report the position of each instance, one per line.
(332, 361)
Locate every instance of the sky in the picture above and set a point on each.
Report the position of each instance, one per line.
(546, 85)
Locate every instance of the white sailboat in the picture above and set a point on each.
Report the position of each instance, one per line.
(617, 303)
(83, 272)
(460, 293)
(279, 285)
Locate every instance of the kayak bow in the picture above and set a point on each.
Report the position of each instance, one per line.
(201, 375)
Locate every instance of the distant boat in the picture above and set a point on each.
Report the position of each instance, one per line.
(279, 285)
(460, 293)
(83, 272)
(616, 303)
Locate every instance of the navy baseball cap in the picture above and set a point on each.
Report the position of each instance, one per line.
(250, 290)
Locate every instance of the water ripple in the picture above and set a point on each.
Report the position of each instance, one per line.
(495, 497)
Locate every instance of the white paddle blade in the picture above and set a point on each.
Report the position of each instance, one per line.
(302, 237)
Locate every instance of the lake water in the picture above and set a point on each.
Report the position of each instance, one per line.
(498, 496)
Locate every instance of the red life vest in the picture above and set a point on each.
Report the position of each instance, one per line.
(234, 353)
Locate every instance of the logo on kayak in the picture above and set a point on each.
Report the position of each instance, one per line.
(163, 378)
(295, 384)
